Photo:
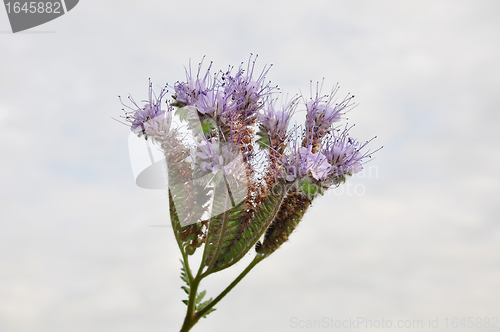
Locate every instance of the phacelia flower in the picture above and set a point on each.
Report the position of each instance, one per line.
(238, 176)
(274, 122)
(210, 158)
(210, 102)
(187, 93)
(158, 127)
(322, 112)
(304, 161)
(344, 154)
(244, 93)
(150, 116)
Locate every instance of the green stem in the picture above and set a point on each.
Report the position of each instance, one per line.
(193, 317)
(190, 314)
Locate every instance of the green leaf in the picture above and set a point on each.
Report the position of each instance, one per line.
(203, 305)
(307, 188)
(234, 232)
(200, 296)
(208, 127)
(182, 113)
(209, 311)
(263, 140)
(186, 289)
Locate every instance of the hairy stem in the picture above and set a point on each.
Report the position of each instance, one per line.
(193, 317)
(250, 266)
(189, 320)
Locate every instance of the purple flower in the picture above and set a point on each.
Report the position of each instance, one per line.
(158, 127)
(276, 121)
(187, 93)
(142, 117)
(304, 161)
(215, 157)
(344, 154)
(244, 92)
(322, 112)
(210, 103)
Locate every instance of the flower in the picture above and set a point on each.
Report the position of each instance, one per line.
(344, 154)
(322, 113)
(239, 120)
(211, 159)
(244, 93)
(304, 162)
(150, 117)
(187, 93)
(210, 102)
(158, 127)
(275, 121)
(238, 177)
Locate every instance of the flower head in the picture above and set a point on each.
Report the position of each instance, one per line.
(345, 154)
(245, 94)
(210, 102)
(303, 162)
(150, 119)
(322, 112)
(274, 122)
(187, 93)
(158, 127)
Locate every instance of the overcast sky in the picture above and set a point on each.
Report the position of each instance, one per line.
(419, 239)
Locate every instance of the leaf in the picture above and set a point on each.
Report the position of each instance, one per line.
(234, 232)
(184, 275)
(200, 296)
(310, 189)
(263, 140)
(209, 311)
(181, 112)
(203, 305)
(208, 126)
(186, 289)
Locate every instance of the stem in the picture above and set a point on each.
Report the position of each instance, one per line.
(193, 317)
(190, 314)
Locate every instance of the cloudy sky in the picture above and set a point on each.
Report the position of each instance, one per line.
(416, 238)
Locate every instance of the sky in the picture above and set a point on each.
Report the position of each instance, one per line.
(414, 239)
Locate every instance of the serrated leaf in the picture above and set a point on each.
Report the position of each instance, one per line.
(209, 311)
(186, 289)
(200, 296)
(229, 239)
(182, 113)
(203, 305)
(263, 142)
(208, 127)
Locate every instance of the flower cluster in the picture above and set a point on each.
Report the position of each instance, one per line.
(226, 96)
(240, 174)
(230, 106)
